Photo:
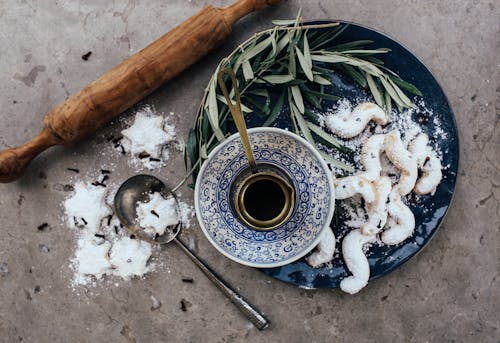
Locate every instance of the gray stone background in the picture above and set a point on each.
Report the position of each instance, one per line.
(448, 293)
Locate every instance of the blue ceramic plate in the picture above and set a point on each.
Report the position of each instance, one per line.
(311, 214)
(429, 210)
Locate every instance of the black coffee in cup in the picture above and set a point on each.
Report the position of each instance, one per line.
(263, 198)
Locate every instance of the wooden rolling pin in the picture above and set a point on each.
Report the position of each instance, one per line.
(129, 82)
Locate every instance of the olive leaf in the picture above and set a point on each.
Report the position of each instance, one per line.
(304, 129)
(275, 111)
(304, 64)
(260, 92)
(192, 146)
(402, 96)
(366, 52)
(213, 111)
(402, 102)
(336, 163)
(286, 22)
(350, 45)
(203, 151)
(354, 74)
(388, 103)
(277, 79)
(321, 80)
(325, 136)
(374, 90)
(297, 60)
(405, 85)
(330, 58)
(297, 98)
(292, 68)
(244, 108)
(247, 70)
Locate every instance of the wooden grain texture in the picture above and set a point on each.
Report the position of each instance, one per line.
(138, 76)
(126, 84)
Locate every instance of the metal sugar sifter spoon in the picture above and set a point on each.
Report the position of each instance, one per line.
(136, 189)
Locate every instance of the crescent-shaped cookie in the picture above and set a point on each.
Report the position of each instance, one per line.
(356, 261)
(377, 211)
(352, 125)
(401, 223)
(349, 186)
(324, 251)
(403, 160)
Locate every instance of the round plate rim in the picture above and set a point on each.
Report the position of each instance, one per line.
(313, 243)
(454, 177)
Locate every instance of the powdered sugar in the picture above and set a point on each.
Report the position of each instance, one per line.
(104, 249)
(148, 140)
(91, 259)
(87, 207)
(129, 257)
(100, 237)
(155, 215)
(186, 213)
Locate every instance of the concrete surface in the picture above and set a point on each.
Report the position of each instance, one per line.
(449, 293)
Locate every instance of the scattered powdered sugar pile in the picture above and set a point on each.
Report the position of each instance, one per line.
(148, 140)
(104, 248)
(129, 257)
(87, 207)
(91, 258)
(155, 215)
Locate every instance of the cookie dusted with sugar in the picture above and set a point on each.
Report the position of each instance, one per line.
(401, 222)
(356, 261)
(431, 174)
(370, 157)
(428, 162)
(325, 250)
(377, 211)
(403, 160)
(418, 148)
(349, 125)
(87, 207)
(129, 257)
(349, 186)
(91, 260)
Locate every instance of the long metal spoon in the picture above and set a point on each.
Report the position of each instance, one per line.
(136, 189)
(235, 109)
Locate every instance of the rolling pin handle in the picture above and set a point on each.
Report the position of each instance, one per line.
(14, 161)
(129, 82)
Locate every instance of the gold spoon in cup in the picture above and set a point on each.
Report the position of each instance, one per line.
(235, 109)
(273, 195)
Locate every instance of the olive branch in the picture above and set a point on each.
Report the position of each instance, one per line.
(296, 59)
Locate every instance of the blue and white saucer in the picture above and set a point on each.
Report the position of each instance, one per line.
(313, 208)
